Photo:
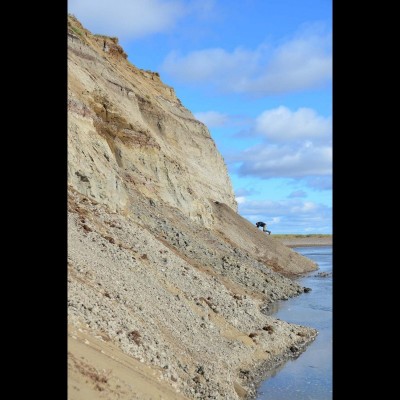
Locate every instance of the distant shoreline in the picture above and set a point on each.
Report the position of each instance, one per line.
(304, 240)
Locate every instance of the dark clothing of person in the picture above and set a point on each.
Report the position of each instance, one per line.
(264, 226)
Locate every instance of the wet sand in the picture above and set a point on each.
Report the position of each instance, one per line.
(305, 241)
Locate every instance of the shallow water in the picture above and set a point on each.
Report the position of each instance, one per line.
(309, 377)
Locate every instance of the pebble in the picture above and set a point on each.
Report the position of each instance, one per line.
(173, 330)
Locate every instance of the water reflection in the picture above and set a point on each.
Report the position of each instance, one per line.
(310, 375)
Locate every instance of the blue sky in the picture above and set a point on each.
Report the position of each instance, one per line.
(258, 73)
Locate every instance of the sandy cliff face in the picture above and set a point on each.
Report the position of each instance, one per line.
(166, 282)
(127, 129)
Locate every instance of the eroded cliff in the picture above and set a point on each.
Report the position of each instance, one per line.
(127, 129)
(161, 268)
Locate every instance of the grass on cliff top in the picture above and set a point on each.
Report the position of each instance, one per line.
(294, 236)
(75, 25)
(112, 38)
(77, 31)
(73, 21)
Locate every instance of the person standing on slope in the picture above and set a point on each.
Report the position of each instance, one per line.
(264, 226)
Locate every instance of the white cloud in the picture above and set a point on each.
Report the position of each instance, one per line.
(304, 207)
(281, 124)
(303, 62)
(212, 118)
(216, 66)
(271, 161)
(245, 192)
(297, 145)
(127, 18)
(240, 199)
(289, 216)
